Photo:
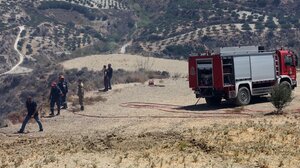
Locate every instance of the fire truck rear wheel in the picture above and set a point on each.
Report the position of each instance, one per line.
(213, 101)
(243, 97)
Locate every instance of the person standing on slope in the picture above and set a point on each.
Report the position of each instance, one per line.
(105, 78)
(55, 96)
(109, 76)
(31, 111)
(80, 93)
(63, 86)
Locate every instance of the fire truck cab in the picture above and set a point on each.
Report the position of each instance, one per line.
(239, 73)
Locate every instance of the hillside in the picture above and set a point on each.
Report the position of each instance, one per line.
(59, 30)
(55, 31)
(182, 27)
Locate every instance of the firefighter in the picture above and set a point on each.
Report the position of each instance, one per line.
(31, 112)
(55, 96)
(80, 93)
(105, 78)
(109, 76)
(63, 86)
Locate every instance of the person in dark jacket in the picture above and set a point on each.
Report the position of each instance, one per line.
(105, 78)
(63, 86)
(55, 96)
(31, 111)
(109, 76)
(80, 93)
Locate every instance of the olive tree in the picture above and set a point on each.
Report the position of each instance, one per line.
(281, 96)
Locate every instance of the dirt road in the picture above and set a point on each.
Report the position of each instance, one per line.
(21, 57)
(17, 69)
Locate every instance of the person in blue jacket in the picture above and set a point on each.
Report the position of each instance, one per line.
(63, 86)
(55, 96)
(31, 112)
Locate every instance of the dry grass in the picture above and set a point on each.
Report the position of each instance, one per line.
(176, 76)
(265, 143)
(94, 80)
(3, 123)
(249, 141)
(145, 64)
(238, 109)
(87, 101)
(15, 117)
(117, 90)
(137, 76)
(92, 100)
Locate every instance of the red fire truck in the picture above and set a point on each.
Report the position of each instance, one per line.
(239, 73)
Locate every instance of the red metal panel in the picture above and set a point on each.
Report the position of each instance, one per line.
(218, 74)
(192, 72)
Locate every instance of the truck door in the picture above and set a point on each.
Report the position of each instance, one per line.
(192, 72)
(289, 67)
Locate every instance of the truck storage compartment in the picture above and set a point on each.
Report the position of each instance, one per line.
(262, 67)
(255, 67)
(228, 74)
(242, 68)
(205, 72)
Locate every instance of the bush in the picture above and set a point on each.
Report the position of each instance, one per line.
(23, 33)
(3, 123)
(178, 50)
(259, 26)
(246, 27)
(281, 96)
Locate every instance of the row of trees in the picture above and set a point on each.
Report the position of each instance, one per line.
(88, 13)
(185, 50)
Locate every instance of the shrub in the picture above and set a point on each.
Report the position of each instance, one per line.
(281, 96)
(23, 33)
(3, 123)
(178, 50)
(246, 27)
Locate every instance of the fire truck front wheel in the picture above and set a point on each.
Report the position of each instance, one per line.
(243, 97)
(213, 101)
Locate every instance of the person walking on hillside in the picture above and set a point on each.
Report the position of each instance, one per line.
(63, 86)
(55, 96)
(109, 76)
(80, 93)
(31, 111)
(105, 78)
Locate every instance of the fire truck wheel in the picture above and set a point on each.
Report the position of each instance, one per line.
(213, 101)
(243, 97)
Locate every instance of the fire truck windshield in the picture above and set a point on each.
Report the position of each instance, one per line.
(288, 60)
